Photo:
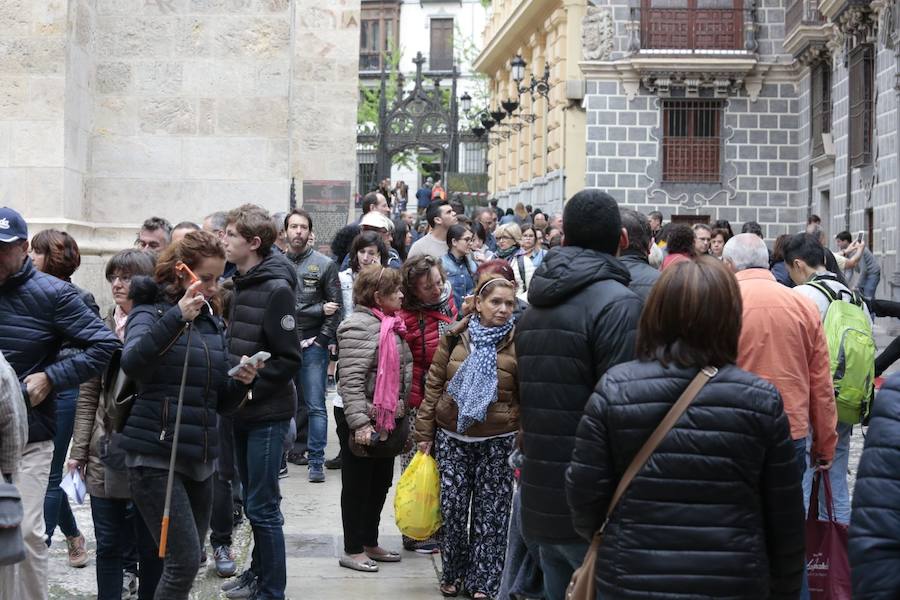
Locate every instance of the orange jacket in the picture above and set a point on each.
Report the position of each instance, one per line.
(783, 342)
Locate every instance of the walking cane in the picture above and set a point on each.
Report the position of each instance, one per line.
(164, 532)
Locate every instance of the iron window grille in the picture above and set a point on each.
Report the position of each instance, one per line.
(862, 105)
(692, 140)
(820, 105)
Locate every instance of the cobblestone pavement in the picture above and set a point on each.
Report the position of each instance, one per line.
(313, 540)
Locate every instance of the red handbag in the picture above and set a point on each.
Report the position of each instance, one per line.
(827, 564)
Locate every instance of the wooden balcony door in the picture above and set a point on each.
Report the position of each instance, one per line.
(692, 24)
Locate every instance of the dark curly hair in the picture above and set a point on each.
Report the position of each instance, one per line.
(60, 251)
(364, 240)
(680, 240)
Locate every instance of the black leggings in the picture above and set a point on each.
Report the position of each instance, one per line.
(365, 483)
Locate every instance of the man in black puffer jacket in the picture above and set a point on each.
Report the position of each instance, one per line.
(262, 318)
(38, 312)
(581, 321)
(875, 520)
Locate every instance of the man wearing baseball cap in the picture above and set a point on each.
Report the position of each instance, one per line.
(38, 312)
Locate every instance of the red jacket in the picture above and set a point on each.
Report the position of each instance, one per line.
(423, 334)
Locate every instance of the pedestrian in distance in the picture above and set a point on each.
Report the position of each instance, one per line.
(470, 417)
(262, 319)
(38, 313)
(375, 368)
(531, 243)
(717, 510)
(96, 452)
(173, 323)
(680, 244)
(458, 263)
(717, 242)
(581, 321)
(636, 256)
(429, 311)
(440, 216)
(56, 253)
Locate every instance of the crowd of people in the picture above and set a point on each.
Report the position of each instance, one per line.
(532, 355)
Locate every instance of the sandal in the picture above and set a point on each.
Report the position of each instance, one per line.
(366, 566)
(449, 590)
(480, 596)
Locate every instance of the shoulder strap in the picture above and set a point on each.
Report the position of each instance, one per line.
(653, 442)
(824, 288)
(520, 261)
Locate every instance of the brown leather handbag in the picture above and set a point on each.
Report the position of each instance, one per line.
(583, 585)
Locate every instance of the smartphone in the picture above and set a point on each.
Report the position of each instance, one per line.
(859, 238)
(180, 267)
(257, 359)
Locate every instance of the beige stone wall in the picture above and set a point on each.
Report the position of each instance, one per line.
(115, 110)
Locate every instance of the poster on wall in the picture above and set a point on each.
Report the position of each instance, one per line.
(328, 203)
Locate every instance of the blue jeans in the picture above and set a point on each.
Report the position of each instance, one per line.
(313, 377)
(56, 504)
(558, 562)
(116, 544)
(803, 465)
(838, 477)
(261, 446)
(871, 284)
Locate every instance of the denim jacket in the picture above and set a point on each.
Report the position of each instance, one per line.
(460, 275)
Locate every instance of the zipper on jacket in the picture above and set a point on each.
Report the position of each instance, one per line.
(206, 400)
(165, 419)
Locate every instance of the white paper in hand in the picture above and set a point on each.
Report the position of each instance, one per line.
(73, 486)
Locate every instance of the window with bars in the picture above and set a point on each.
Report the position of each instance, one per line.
(692, 140)
(378, 32)
(441, 57)
(820, 105)
(862, 105)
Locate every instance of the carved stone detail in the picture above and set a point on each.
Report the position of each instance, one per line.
(597, 34)
(664, 84)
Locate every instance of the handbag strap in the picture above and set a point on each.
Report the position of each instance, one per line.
(653, 442)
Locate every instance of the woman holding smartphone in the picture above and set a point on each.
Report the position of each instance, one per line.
(174, 319)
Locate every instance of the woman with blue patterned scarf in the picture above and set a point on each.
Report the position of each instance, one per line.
(470, 416)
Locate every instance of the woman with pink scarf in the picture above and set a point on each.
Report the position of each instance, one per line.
(375, 367)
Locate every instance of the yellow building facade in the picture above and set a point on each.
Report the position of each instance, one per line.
(536, 154)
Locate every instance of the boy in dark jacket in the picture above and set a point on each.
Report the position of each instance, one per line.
(38, 312)
(582, 321)
(262, 319)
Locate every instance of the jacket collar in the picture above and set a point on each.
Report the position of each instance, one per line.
(300, 256)
(634, 255)
(461, 329)
(758, 273)
(24, 274)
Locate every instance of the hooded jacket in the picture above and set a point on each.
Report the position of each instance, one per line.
(875, 525)
(156, 341)
(717, 510)
(262, 318)
(38, 312)
(317, 283)
(582, 320)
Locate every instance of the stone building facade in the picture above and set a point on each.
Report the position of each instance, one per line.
(766, 110)
(536, 153)
(115, 110)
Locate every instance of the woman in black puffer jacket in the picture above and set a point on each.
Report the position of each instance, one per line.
(169, 314)
(717, 511)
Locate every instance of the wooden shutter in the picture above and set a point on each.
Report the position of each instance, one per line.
(441, 58)
(862, 89)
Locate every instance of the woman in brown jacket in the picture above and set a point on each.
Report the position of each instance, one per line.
(375, 367)
(471, 413)
(95, 452)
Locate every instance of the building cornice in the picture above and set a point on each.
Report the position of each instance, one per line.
(504, 41)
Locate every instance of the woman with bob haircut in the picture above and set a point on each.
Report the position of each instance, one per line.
(375, 367)
(717, 510)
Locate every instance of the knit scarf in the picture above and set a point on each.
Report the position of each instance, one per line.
(387, 378)
(509, 252)
(474, 386)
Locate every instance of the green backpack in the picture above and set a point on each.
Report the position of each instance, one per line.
(852, 351)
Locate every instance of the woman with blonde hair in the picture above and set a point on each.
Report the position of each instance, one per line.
(470, 416)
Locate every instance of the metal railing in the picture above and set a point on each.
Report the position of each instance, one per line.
(802, 12)
(692, 28)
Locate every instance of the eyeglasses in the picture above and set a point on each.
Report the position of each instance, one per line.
(506, 237)
(123, 279)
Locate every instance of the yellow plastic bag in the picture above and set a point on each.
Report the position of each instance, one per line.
(417, 504)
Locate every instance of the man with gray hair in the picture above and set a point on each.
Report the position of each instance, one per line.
(635, 256)
(783, 342)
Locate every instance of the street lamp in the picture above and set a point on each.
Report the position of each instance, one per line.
(517, 66)
(465, 102)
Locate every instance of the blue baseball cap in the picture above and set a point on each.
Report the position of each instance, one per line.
(12, 226)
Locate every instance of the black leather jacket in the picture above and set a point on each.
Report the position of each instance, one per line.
(317, 283)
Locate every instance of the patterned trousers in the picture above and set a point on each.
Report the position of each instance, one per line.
(474, 477)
